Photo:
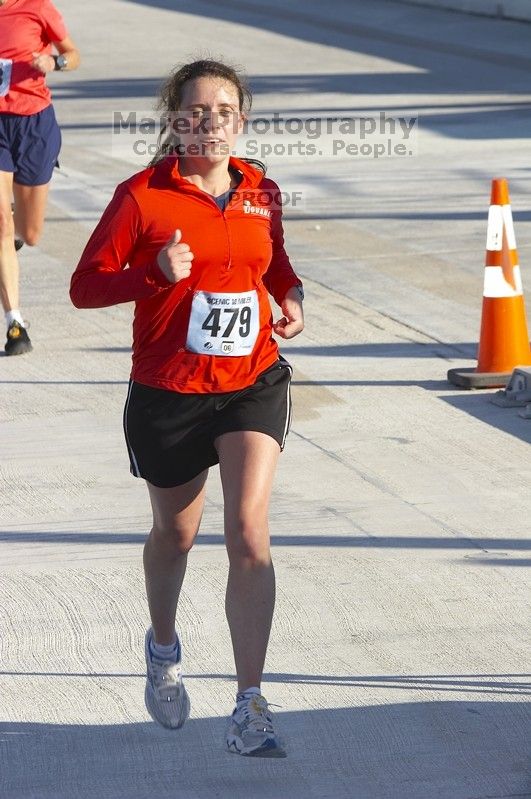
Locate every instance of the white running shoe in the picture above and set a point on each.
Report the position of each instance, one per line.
(251, 731)
(166, 699)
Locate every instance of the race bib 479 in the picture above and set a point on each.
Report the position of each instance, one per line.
(223, 323)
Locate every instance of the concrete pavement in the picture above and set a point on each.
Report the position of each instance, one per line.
(509, 9)
(400, 517)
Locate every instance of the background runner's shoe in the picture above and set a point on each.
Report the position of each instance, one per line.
(251, 731)
(18, 242)
(166, 699)
(18, 342)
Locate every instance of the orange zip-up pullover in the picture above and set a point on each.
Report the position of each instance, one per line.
(211, 332)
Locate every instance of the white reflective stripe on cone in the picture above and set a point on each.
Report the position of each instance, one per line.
(495, 284)
(509, 227)
(500, 216)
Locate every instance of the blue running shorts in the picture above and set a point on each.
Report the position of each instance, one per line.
(29, 146)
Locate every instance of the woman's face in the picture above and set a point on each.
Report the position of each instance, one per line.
(209, 120)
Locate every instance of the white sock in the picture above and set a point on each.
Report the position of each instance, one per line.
(242, 695)
(165, 651)
(14, 316)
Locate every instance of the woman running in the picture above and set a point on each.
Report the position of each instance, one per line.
(201, 234)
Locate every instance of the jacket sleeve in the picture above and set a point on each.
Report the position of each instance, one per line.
(102, 276)
(280, 276)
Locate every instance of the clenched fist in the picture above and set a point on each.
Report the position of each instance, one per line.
(43, 62)
(292, 323)
(175, 259)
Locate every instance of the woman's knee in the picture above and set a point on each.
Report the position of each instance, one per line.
(176, 540)
(31, 234)
(249, 543)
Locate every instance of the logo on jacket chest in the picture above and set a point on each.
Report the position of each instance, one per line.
(255, 209)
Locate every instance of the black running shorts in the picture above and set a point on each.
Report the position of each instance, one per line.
(170, 436)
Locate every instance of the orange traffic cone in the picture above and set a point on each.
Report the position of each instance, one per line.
(503, 339)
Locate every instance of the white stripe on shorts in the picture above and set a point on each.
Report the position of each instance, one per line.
(134, 464)
(288, 413)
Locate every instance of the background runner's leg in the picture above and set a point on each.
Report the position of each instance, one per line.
(30, 207)
(8, 259)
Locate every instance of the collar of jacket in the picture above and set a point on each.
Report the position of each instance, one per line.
(167, 171)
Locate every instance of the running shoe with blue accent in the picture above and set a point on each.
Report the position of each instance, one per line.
(166, 699)
(251, 730)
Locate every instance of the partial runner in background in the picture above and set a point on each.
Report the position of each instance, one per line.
(33, 42)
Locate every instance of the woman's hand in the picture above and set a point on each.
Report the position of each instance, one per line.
(292, 323)
(43, 62)
(175, 259)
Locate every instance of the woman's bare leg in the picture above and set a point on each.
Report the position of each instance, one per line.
(30, 208)
(176, 517)
(247, 464)
(8, 258)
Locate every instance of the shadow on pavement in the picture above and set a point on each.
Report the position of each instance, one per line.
(480, 407)
(441, 63)
(482, 544)
(506, 684)
(455, 123)
(402, 349)
(413, 750)
(437, 65)
(391, 349)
